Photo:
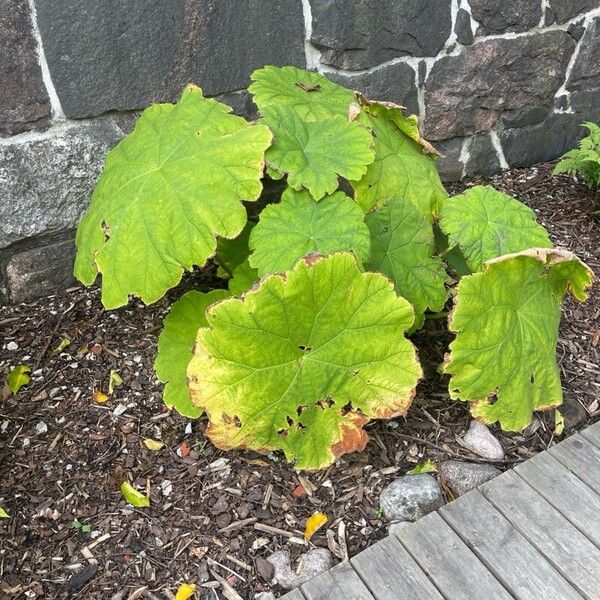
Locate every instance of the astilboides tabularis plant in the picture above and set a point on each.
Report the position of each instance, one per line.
(309, 340)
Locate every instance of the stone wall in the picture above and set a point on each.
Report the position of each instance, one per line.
(495, 83)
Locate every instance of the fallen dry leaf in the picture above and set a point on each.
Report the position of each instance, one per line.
(313, 524)
(185, 591)
(100, 397)
(183, 450)
(153, 445)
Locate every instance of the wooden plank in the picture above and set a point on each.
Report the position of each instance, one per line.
(339, 583)
(592, 434)
(565, 491)
(294, 595)
(504, 551)
(571, 553)
(452, 567)
(581, 457)
(391, 573)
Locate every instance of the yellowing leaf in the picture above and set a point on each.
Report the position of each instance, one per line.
(153, 445)
(63, 344)
(559, 423)
(313, 524)
(134, 497)
(185, 591)
(18, 377)
(100, 397)
(114, 381)
(4, 514)
(427, 466)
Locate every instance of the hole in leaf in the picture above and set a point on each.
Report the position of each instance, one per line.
(106, 230)
(355, 373)
(289, 420)
(305, 348)
(309, 87)
(300, 427)
(532, 378)
(282, 433)
(492, 398)
(346, 409)
(301, 409)
(325, 403)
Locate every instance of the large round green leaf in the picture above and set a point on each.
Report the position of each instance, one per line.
(168, 190)
(303, 361)
(300, 225)
(506, 323)
(403, 167)
(314, 154)
(312, 96)
(175, 345)
(485, 223)
(402, 247)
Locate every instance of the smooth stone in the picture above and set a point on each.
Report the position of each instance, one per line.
(411, 497)
(482, 442)
(462, 477)
(310, 565)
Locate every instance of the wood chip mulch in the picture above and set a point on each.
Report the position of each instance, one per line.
(215, 517)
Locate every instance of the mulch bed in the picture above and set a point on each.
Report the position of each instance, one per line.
(215, 516)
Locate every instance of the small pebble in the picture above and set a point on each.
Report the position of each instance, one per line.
(482, 442)
(12, 346)
(411, 497)
(310, 564)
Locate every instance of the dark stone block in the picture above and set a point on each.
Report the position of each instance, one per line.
(525, 117)
(108, 55)
(463, 29)
(500, 16)
(357, 34)
(585, 74)
(469, 92)
(394, 83)
(46, 182)
(564, 10)
(576, 30)
(449, 164)
(540, 143)
(41, 269)
(24, 102)
(586, 103)
(482, 157)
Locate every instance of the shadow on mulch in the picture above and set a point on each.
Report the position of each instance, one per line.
(215, 516)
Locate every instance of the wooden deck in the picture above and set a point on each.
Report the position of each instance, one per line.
(533, 533)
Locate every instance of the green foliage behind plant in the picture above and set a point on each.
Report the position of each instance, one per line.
(308, 342)
(584, 161)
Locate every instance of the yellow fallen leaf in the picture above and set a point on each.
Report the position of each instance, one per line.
(114, 381)
(4, 514)
(100, 397)
(559, 423)
(64, 342)
(153, 445)
(313, 524)
(185, 591)
(134, 497)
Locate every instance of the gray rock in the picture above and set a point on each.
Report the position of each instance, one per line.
(585, 74)
(49, 178)
(126, 55)
(564, 10)
(462, 477)
(540, 143)
(499, 16)
(574, 415)
(469, 92)
(576, 30)
(265, 596)
(310, 564)
(463, 29)
(357, 34)
(524, 117)
(24, 102)
(411, 497)
(483, 157)
(449, 164)
(41, 270)
(480, 440)
(393, 83)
